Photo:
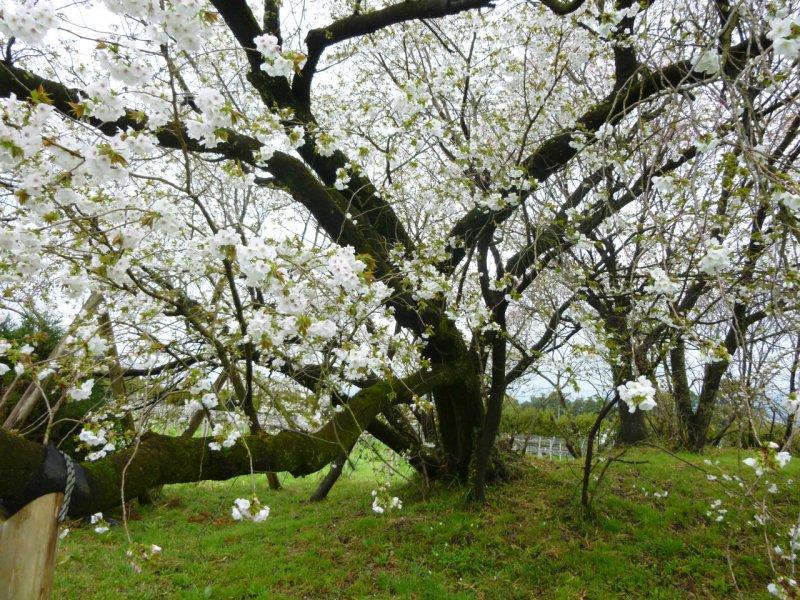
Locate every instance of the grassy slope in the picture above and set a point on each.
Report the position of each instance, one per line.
(530, 543)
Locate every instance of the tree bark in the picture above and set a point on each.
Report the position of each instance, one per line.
(632, 428)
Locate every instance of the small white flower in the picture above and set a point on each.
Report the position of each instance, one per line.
(243, 509)
(755, 464)
(605, 131)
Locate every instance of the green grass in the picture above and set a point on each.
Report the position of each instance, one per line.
(531, 542)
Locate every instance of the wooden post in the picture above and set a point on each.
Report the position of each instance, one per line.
(28, 550)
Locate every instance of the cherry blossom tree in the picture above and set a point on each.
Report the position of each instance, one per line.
(284, 224)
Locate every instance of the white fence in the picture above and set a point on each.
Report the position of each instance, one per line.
(542, 447)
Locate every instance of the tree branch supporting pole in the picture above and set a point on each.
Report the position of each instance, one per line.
(28, 550)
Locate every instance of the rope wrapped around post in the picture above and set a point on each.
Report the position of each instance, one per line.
(58, 474)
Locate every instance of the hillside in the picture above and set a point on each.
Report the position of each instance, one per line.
(530, 543)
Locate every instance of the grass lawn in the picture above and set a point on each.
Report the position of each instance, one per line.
(531, 542)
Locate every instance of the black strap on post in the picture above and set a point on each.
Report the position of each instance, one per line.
(59, 474)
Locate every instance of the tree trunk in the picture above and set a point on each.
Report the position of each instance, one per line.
(491, 422)
(684, 412)
(632, 428)
(330, 479)
(273, 481)
(459, 405)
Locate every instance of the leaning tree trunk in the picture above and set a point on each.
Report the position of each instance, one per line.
(156, 460)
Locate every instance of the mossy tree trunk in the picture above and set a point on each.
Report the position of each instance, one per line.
(459, 405)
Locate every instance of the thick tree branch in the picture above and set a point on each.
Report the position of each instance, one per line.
(157, 460)
(358, 25)
(17, 81)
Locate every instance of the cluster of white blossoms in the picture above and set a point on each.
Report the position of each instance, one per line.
(717, 513)
(215, 116)
(785, 588)
(100, 524)
(716, 260)
(661, 284)
(227, 429)
(771, 456)
(711, 352)
(707, 62)
(359, 359)
(207, 401)
(793, 546)
(93, 436)
(494, 201)
(249, 510)
(182, 20)
(664, 184)
(345, 268)
(638, 393)
(4, 348)
(383, 502)
(123, 67)
(792, 403)
(28, 21)
(424, 280)
(604, 132)
(277, 63)
(103, 101)
(784, 31)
